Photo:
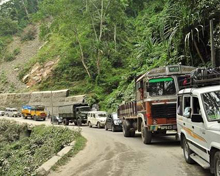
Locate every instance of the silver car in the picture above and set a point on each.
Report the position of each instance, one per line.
(13, 112)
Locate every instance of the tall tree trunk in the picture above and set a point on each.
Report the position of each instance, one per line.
(81, 52)
(100, 36)
(197, 49)
(115, 36)
(25, 9)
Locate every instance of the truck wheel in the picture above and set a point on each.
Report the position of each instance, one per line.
(187, 151)
(98, 125)
(145, 134)
(66, 122)
(217, 163)
(113, 128)
(79, 122)
(126, 128)
(132, 133)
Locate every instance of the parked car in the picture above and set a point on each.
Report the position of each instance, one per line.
(113, 122)
(97, 118)
(12, 112)
(56, 119)
(2, 113)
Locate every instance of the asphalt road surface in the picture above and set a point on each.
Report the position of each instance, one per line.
(111, 154)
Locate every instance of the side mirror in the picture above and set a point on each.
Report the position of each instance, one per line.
(187, 112)
(197, 118)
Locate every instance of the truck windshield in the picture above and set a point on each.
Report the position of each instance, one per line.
(161, 86)
(39, 109)
(84, 109)
(212, 105)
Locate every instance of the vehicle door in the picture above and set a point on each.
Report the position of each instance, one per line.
(91, 119)
(95, 118)
(198, 129)
(180, 119)
(186, 125)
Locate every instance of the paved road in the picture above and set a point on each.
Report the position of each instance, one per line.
(110, 154)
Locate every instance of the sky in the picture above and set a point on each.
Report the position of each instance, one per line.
(3, 1)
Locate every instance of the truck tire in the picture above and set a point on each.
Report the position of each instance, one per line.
(35, 118)
(217, 163)
(79, 122)
(145, 134)
(187, 151)
(66, 122)
(132, 133)
(90, 125)
(126, 128)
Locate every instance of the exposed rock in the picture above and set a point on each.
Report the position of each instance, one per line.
(25, 78)
(35, 68)
(39, 73)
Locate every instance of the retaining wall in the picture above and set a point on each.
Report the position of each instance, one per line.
(47, 98)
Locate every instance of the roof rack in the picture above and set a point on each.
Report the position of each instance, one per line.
(201, 77)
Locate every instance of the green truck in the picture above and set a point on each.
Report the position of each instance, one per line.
(74, 113)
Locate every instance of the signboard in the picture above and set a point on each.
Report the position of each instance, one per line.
(174, 69)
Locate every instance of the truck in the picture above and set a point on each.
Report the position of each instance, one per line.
(153, 112)
(74, 113)
(198, 119)
(34, 112)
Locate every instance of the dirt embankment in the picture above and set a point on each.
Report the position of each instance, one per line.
(9, 70)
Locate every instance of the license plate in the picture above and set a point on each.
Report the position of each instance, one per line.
(168, 127)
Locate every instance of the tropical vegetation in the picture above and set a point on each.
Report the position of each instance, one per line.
(23, 148)
(102, 45)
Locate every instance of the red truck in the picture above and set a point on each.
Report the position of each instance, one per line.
(153, 112)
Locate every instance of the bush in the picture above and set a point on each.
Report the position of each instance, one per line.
(8, 27)
(17, 51)
(9, 57)
(21, 153)
(29, 35)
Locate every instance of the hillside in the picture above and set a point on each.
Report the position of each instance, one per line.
(10, 70)
(98, 47)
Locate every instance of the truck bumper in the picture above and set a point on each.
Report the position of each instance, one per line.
(162, 127)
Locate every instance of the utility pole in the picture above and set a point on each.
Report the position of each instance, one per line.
(51, 101)
(212, 44)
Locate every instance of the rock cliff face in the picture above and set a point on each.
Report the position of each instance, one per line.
(50, 99)
(39, 73)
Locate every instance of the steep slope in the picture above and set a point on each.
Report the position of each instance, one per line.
(9, 70)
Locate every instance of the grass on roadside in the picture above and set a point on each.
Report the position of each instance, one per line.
(79, 145)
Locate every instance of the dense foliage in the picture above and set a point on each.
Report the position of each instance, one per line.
(22, 152)
(14, 16)
(103, 44)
